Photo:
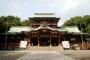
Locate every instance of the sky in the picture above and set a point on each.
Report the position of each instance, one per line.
(65, 9)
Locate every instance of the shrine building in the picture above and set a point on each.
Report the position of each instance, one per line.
(43, 31)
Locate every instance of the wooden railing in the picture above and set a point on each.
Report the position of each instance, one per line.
(79, 46)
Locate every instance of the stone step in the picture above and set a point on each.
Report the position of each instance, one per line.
(45, 48)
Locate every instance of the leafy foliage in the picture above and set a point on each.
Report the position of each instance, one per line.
(7, 21)
(88, 28)
(80, 21)
(25, 23)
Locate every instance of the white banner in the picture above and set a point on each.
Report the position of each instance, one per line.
(23, 44)
(65, 44)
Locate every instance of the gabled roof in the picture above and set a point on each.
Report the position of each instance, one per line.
(19, 29)
(44, 26)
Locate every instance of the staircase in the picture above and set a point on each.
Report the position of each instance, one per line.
(45, 48)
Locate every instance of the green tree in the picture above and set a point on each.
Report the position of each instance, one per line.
(25, 23)
(88, 28)
(73, 21)
(7, 21)
(80, 21)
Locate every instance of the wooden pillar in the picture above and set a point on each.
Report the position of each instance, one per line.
(28, 39)
(50, 40)
(38, 42)
(29, 42)
(59, 35)
(87, 45)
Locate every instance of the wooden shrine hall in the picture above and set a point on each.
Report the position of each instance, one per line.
(43, 31)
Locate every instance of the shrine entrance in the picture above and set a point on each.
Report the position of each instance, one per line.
(45, 36)
(44, 40)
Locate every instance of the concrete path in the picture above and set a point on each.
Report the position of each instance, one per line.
(44, 55)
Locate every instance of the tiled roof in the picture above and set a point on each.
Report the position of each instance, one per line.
(69, 29)
(19, 29)
(72, 29)
(44, 15)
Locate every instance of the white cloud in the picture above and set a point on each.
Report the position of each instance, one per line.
(63, 8)
(73, 8)
(70, 4)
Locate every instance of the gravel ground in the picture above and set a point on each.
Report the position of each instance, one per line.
(10, 55)
(45, 55)
(77, 54)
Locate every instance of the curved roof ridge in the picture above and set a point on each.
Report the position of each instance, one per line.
(44, 26)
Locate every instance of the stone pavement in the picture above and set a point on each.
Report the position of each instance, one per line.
(44, 55)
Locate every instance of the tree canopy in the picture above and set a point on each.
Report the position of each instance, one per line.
(83, 22)
(25, 23)
(7, 21)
